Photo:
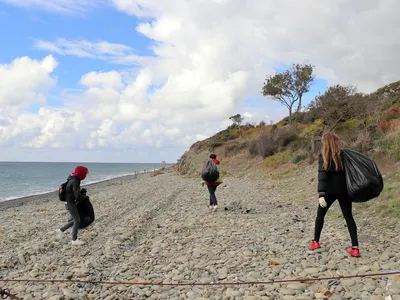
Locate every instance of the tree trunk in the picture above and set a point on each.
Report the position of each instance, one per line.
(298, 110)
(290, 115)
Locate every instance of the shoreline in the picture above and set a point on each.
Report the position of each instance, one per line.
(53, 195)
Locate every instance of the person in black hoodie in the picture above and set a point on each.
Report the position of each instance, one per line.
(72, 195)
(331, 187)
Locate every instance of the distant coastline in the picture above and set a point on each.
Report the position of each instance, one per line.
(50, 195)
(19, 200)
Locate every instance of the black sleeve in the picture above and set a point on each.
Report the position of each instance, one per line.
(76, 189)
(322, 177)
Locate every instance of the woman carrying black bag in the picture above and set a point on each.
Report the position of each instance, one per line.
(331, 187)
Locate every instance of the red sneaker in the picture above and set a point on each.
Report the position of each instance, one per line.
(355, 252)
(314, 245)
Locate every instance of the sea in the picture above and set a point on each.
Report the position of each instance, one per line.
(21, 179)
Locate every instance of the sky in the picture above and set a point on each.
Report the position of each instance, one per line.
(142, 80)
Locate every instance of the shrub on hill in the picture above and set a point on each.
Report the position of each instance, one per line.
(285, 136)
(390, 144)
(278, 159)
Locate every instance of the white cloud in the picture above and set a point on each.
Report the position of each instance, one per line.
(348, 42)
(117, 53)
(58, 6)
(26, 81)
(249, 115)
(209, 57)
(102, 79)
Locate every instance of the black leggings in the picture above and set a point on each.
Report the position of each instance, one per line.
(345, 205)
(212, 189)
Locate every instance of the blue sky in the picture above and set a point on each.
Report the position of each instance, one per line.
(19, 28)
(141, 81)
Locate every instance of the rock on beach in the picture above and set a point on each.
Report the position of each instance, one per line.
(159, 230)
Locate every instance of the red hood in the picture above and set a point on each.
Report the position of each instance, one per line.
(216, 161)
(80, 172)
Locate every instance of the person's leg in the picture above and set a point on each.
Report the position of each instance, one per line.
(67, 226)
(73, 210)
(70, 221)
(213, 199)
(346, 207)
(319, 221)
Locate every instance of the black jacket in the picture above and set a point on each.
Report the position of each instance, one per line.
(73, 189)
(331, 182)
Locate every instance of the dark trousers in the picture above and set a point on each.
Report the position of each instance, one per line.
(75, 220)
(212, 189)
(346, 207)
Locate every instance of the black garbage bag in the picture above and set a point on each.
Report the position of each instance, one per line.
(210, 172)
(363, 179)
(86, 211)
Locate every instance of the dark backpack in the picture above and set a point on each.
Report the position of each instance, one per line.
(210, 172)
(363, 179)
(61, 191)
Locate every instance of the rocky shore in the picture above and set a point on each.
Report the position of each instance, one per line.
(160, 230)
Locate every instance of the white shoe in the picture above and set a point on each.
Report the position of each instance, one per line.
(215, 208)
(59, 233)
(77, 243)
(210, 207)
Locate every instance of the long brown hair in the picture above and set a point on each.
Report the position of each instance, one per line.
(331, 149)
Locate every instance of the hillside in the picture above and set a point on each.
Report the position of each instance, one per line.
(366, 122)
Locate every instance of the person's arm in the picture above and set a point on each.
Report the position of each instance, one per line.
(322, 177)
(76, 189)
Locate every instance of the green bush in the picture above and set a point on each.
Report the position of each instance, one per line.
(278, 159)
(352, 124)
(232, 134)
(313, 130)
(298, 158)
(301, 117)
(222, 137)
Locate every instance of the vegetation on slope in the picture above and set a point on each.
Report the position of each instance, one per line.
(368, 123)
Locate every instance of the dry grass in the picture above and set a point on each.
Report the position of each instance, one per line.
(296, 182)
(388, 203)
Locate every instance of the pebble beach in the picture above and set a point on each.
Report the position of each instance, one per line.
(158, 229)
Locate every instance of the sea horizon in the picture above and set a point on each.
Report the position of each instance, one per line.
(80, 162)
(20, 179)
